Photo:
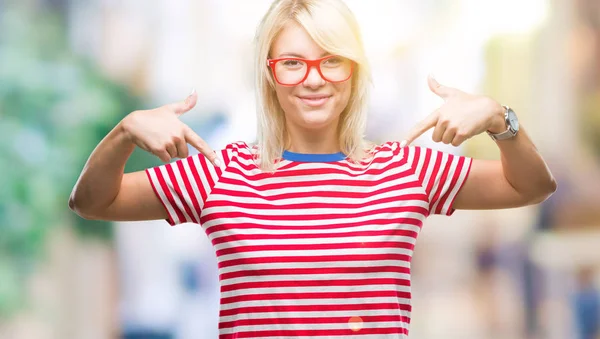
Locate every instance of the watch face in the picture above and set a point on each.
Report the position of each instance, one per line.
(513, 122)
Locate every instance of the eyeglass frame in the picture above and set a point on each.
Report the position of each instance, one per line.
(309, 64)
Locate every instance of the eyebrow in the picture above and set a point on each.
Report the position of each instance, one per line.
(296, 55)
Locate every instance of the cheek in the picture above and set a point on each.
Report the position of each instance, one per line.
(284, 96)
(343, 92)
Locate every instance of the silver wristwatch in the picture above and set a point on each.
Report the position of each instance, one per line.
(512, 124)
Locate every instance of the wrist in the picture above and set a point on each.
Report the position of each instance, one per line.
(123, 129)
(498, 120)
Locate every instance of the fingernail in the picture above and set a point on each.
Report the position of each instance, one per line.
(432, 76)
(193, 91)
(403, 143)
(217, 162)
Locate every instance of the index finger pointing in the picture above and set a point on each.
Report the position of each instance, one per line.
(420, 128)
(198, 143)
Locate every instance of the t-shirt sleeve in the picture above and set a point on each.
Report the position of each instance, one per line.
(441, 174)
(183, 186)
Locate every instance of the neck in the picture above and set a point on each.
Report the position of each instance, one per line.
(312, 141)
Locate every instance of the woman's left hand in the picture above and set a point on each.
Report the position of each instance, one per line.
(461, 117)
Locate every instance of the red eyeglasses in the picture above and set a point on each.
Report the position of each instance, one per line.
(293, 71)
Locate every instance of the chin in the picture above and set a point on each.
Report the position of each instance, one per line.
(317, 118)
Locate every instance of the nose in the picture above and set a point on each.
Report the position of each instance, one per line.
(314, 79)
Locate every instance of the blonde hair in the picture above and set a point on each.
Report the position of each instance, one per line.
(331, 24)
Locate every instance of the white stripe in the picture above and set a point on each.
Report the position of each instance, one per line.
(321, 264)
(446, 184)
(436, 181)
(317, 289)
(330, 200)
(187, 199)
(363, 336)
(318, 277)
(309, 241)
(247, 231)
(317, 222)
(362, 185)
(428, 170)
(313, 314)
(315, 253)
(203, 179)
(194, 184)
(316, 301)
(461, 178)
(325, 211)
(317, 326)
(171, 187)
(163, 196)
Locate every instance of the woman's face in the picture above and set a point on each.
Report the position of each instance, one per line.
(314, 103)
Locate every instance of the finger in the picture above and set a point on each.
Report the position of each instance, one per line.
(182, 149)
(163, 156)
(172, 150)
(421, 128)
(184, 106)
(458, 139)
(439, 130)
(198, 143)
(442, 91)
(448, 135)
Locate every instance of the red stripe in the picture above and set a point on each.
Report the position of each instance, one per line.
(314, 333)
(315, 271)
(179, 193)
(167, 192)
(300, 320)
(434, 173)
(316, 295)
(322, 258)
(443, 177)
(450, 210)
(206, 172)
(196, 174)
(170, 219)
(453, 183)
(314, 247)
(185, 177)
(242, 237)
(313, 178)
(318, 205)
(314, 308)
(315, 283)
(316, 193)
(378, 221)
(313, 217)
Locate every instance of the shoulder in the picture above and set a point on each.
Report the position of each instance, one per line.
(240, 150)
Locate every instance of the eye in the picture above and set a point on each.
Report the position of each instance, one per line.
(334, 61)
(292, 63)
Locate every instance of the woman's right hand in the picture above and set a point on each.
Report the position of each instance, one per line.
(160, 132)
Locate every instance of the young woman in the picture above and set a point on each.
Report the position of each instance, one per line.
(313, 227)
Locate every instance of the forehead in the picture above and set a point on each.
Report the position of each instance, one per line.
(294, 40)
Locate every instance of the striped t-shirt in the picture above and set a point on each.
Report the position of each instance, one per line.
(320, 248)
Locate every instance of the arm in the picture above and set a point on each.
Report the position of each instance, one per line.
(104, 192)
(520, 178)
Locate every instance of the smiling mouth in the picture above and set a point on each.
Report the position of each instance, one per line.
(315, 100)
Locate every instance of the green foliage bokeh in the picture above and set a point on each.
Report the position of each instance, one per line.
(55, 107)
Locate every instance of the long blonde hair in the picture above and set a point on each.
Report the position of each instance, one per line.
(332, 25)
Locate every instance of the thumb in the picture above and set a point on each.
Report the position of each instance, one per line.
(442, 91)
(420, 128)
(183, 106)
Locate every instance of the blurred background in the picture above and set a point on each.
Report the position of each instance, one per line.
(71, 70)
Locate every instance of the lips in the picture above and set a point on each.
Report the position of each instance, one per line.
(314, 100)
